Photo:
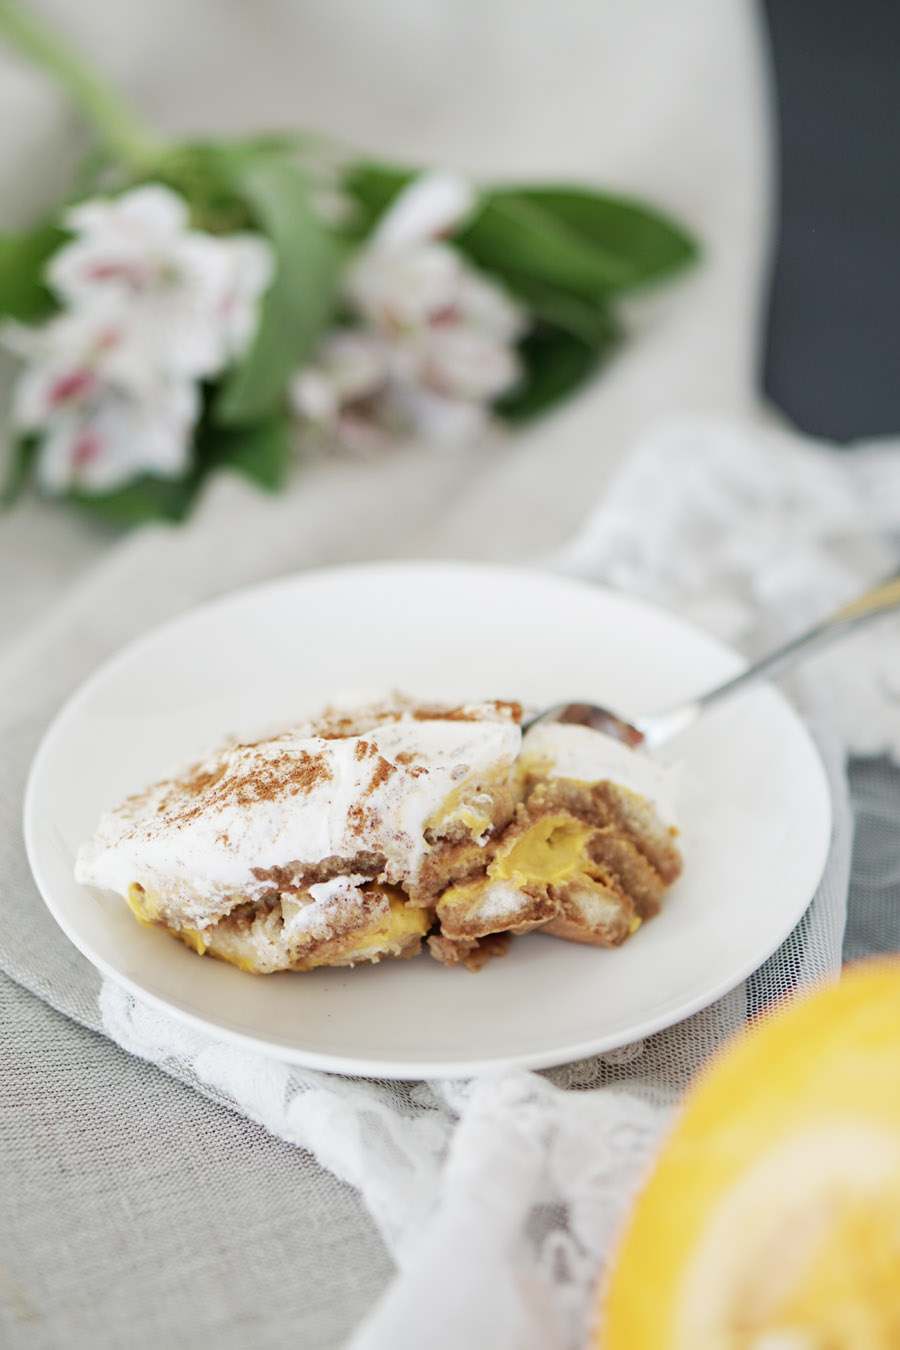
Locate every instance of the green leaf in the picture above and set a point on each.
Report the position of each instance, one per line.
(22, 452)
(647, 240)
(511, 237)
(372, 188)
(301, 299)
(147, 498)
(556, 363)
(577, 242)
(261, 451)
(589, 320)
(23, 294)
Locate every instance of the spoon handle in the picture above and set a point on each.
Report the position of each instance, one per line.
(880, 599)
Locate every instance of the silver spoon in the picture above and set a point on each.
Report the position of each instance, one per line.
(654, 729)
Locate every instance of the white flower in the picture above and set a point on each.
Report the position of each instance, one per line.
(71, 359)
(109, 389)
(441, 334)
(431, 205)
(486, 308)
(144, 215)
(463, 363)
(194, 295)
(351, 366)
(337, 395)
(101, 411)
(250, 271)
(467, 352)
(109, 441)
(447, 422)
(407, 277)
(401, 292)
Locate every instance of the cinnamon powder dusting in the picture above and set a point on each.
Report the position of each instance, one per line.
(291, 773)
(407, 759)
(244, 778)
(358, 819)
(384, 770)
(200, 779)
(435, 714)
(284, 774)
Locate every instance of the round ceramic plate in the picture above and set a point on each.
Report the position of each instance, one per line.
(755, 812)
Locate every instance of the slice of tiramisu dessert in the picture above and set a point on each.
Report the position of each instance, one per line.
(356, 835)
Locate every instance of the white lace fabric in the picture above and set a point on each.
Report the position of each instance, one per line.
(751, 533)
(515, 1185)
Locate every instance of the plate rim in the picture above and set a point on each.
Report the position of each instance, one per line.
(420, 1068)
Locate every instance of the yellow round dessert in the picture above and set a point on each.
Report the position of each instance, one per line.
(772, 1219)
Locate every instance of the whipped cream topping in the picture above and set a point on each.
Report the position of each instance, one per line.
(370, 782)
(246, 811)
(564, 750)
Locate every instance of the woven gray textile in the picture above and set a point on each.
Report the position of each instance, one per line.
(137, 1213)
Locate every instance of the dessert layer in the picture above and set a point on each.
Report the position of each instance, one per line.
(354, 837)
(255, 817)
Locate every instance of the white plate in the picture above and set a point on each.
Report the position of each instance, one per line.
(755, 809)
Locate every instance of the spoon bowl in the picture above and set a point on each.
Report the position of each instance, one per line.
(656, 728)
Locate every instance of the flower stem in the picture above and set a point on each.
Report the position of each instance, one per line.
(100, 104)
